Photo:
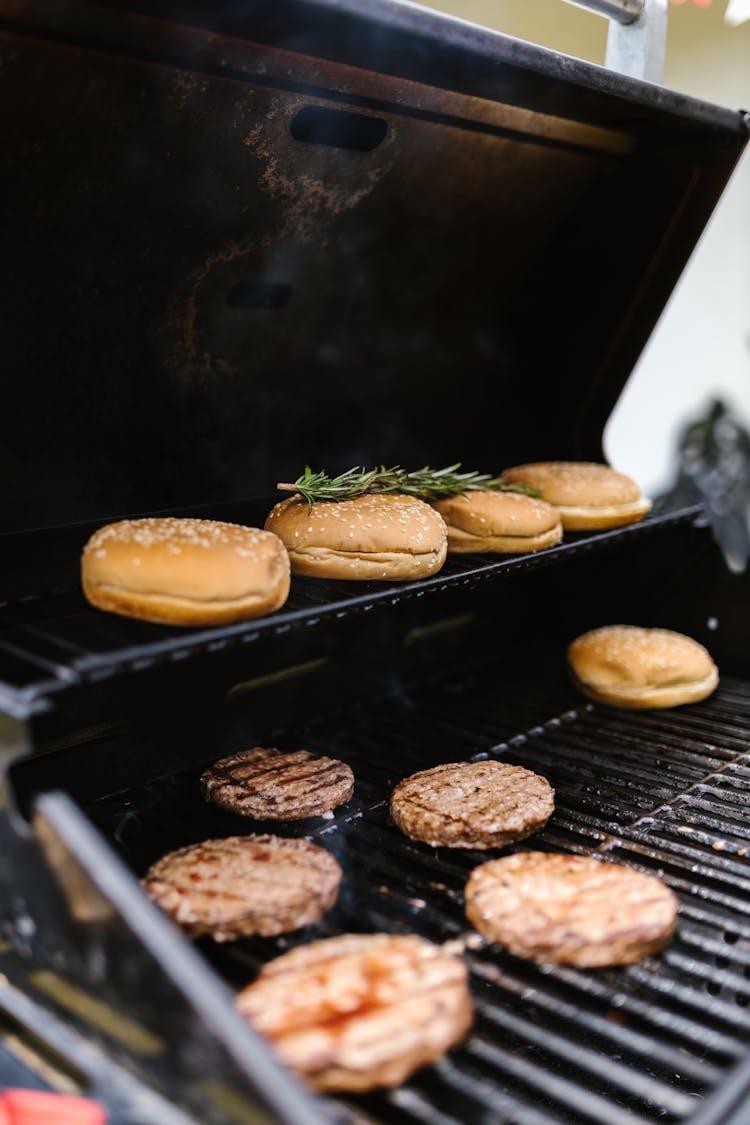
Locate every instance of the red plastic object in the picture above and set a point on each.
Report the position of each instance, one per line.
(37, 1107)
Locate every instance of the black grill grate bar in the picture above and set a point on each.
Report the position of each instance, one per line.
(678, 827)
(589, 1106)
(691, 751)
(690, 719)
(726, 802)
(652, 759)
(723, 829)
(726, 953)
(709, 738)
(420, 1107)
(572, 836)
(601, 1028)
(726, 794)
(55, 641)
(709, 845)
(735, 777)
(450, 1083)
(588, 1063)
(704, 1036)
(698, 968)
(607, 767)
(30, 661)
(686, 869)
(667, 987)
(732, 928)
(606, 806)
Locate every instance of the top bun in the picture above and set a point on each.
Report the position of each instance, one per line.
(185, 571)
(588, 495)
(372, 536)
(502, 522)
(628, 666)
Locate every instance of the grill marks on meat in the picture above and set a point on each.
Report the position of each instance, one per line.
(245, 885)
(572, 910)
(361, 1010)
(270, 784)
(472, 805)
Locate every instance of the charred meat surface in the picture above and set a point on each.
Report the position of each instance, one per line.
(472, 804)
(245, 885)
(270, 784)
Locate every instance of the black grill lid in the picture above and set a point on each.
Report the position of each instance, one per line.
(246, 236)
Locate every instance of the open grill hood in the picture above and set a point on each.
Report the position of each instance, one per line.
(249, 235)
(232, 224)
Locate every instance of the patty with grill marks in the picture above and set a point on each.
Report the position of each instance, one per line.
(270, 784)
(244, 885)
(361, 1010)
(472, 804)
(571, 910)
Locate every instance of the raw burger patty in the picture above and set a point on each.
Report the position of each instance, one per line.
(270, 784)
(472, 804)
(573, 910)
(245, 885)
(361, 1010)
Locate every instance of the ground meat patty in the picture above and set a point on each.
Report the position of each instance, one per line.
(472, 804)
(245, 885)
(270, 784)
(361, 1010)
(572, 910)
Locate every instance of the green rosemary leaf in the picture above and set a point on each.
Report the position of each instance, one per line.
(425, 483)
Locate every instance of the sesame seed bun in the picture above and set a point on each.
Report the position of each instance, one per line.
(499, 522)
(588, 496)
(371, 537)
(626, 666)
(185, 571)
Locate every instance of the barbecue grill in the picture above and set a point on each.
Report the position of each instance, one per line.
(249, 235)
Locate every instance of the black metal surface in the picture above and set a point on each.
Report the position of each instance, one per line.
(132, 993)
(41, 1051)
(665, 791)
(202, 289)
(53, 642)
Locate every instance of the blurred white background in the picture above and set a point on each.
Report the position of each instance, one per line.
(701, 346)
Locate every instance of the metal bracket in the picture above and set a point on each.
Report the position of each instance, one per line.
(637, 40)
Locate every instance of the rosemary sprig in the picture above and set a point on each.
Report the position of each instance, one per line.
(426, 483)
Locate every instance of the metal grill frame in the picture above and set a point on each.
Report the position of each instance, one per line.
(669, 1016)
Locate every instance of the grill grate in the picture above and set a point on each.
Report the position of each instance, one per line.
(56, 640)
(662, 791)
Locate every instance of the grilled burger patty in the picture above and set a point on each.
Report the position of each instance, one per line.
(245, 885)
(472, 804)
(572, 910)
(270, 784)
(361, 1010)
